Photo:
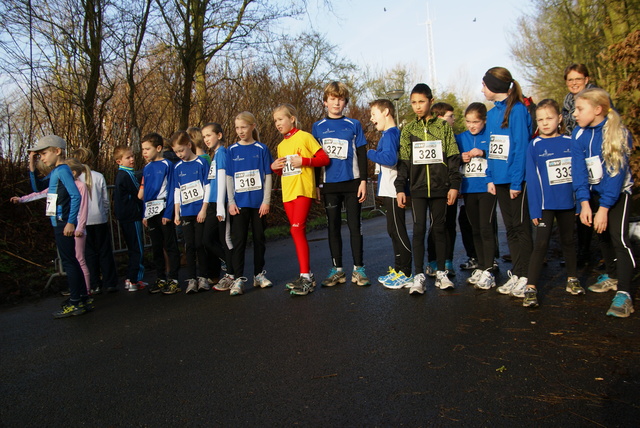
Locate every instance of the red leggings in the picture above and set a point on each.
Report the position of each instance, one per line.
(297, 212)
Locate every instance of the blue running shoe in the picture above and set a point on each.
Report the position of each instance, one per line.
(621, 306)
(603, 284)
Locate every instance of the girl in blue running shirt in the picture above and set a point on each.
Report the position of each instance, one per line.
(602, 182)
(509, 131)
(480, 204)
(217, 229)
(191, 196)
(249, 182)
(550, 197)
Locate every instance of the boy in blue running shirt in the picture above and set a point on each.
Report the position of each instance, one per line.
(345, 181)
(156, 191)
(128, 210)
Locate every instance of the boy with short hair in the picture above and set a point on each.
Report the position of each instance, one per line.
(429, 160)
(386, 158)
(128, 210)
(345, 181)
(156, 191)
(444, 111)
(63, 205)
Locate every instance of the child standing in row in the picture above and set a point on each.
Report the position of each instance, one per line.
(602, 182)
(128, 211)
(344, 181)
(429, 161)
(156, 191)
(217, 230)
(249, 183)
(63, 204)
(548, 175)
(509, 129)
(480, 204)
(298, 154)
(386, 158)
(98, 249)
(191, 193)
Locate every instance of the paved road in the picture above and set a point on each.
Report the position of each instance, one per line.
(344, 356)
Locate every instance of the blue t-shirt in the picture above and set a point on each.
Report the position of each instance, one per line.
(339, 138)
(191, 187)
(158, 185)
(67, 196)
(219, 163)
(548, 176)
(249, 165)
(474, 174)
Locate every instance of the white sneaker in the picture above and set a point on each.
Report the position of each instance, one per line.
(260, 280)
(486, 280)
(192, 286)
(442, 280)
(521, 285)
(203, 284)
(418, 284)
(236, 288)
(508, 286)
(475, 276)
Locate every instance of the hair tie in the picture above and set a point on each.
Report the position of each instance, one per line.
(609, 110)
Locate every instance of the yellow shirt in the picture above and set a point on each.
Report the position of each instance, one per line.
(298, 181)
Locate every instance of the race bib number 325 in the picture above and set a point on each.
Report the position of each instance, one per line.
(499, 147)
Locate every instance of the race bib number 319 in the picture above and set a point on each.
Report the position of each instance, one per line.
(246, 181)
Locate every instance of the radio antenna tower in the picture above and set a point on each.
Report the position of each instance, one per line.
(431, 53)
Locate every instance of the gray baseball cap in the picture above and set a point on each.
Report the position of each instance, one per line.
(49, 141)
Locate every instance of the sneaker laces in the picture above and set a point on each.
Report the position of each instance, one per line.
(619, 299)
(602, 278)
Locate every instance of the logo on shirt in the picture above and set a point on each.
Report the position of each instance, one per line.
(182, 174)
(237, 158)
(546, 154)
(329, 131)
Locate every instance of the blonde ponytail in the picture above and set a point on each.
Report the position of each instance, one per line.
(615, 136)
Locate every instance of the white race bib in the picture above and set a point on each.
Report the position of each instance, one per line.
(594, 167)
(52, 200)
(559, 171)
(247, 181)
(335, 148)
(476, 167)
(191, 192)
(427, 152)
(212, 171)
(288, 169)
(499, 147)
(153, 208)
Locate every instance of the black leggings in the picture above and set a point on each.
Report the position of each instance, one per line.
(565, 220)
(215, 242)
(515, 214)
(449, 232)
(239, 233)
(163, 238)
(437, 208)
(614, 241)
(333, 207)
(196, 256)
(397, 230)
(481, 212)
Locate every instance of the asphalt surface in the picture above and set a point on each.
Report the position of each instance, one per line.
(342, 356)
